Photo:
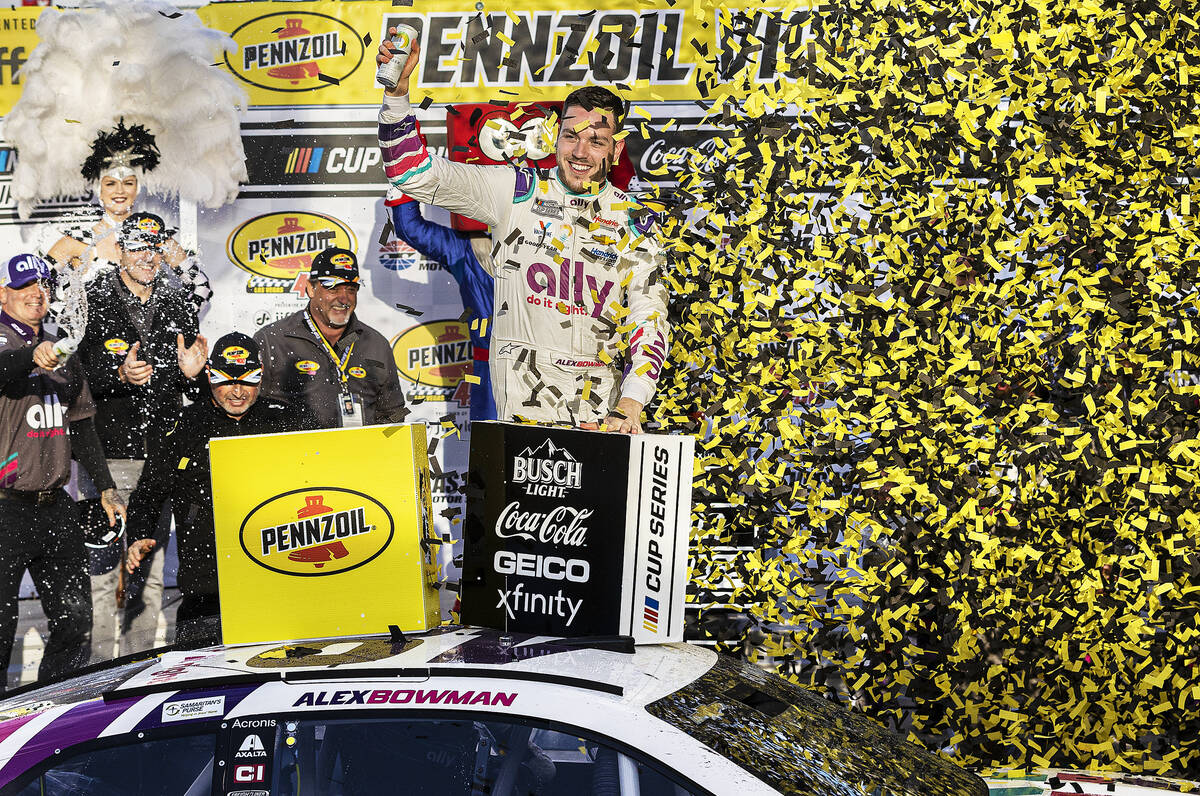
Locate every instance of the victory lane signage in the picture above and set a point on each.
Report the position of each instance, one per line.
(335, 532)
(576, 533)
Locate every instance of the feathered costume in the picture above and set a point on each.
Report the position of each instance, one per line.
(121, 88)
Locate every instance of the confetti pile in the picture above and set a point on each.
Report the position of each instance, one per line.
(935, 329)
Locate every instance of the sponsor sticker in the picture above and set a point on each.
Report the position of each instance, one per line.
(357, 372)
(189, 709)
(436, 354)
(316, 531)
(277, 249)
(116, 346)
(295, 51)
(307, 366)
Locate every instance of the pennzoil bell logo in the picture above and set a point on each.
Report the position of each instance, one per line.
(295, 51)
(277, 249)
(316, 531)
(434, 354)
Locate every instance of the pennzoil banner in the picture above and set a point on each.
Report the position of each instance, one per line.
(334, 527)
(323, 53)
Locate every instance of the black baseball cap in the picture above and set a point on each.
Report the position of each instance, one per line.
(235, 357)
(334, 265)
(143, 231)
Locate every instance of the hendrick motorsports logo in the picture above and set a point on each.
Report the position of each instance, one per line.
(295, 51)
(316, 531)
(278, 248)
(548, 470)
(435, 354)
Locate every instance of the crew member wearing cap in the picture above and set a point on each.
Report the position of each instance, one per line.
(141, 353)
(41, 397)
(178, 470)
(327, 362)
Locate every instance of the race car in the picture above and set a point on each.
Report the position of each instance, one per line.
(453, 711)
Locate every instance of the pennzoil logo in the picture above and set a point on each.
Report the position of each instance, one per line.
(357, 372)
(307, 366)
(295, 51)
(116, 346)
(316, 531)
(277, 249)
(435, 354)
(235, 355)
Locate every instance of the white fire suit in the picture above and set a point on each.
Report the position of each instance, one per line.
(575, 276)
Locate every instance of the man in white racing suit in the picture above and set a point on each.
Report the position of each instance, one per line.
(580, 326)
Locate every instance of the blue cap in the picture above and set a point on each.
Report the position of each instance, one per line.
(23, 269)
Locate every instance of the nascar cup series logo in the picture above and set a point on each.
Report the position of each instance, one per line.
(277, 249)
(321, 531)
(295, 51)
(434, 354)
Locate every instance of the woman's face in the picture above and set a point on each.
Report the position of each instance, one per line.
(117, 195)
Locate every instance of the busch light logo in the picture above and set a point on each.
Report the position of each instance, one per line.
(547, 471)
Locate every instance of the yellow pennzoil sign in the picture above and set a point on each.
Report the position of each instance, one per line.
(320, 533)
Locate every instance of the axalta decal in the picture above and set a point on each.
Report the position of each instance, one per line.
(316, 531)
(295, 51)
(406, 696)
(277, 249)
(435, 354)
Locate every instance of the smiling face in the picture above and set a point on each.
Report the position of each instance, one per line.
(586, 153)
(141, 265)
(28, 304)
(235, 398)
(332, 306)
(117, 195)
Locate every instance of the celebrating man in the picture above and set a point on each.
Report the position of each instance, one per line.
(141, 353)
(179, 471)
(580, 328)
(325, 361)
(40, 398)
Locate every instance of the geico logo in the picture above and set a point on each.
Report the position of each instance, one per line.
(314, 531)
(303, 242)
(563, 525)
(295, 49)
(48, 414)
(351, 160)
(547, 471)
(575, 570)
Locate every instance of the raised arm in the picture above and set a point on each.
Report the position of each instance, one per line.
(484, 193)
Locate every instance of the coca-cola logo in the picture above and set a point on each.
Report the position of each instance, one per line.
(560, 526)
(659, 153)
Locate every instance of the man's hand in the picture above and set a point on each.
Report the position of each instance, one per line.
(626, 417)
(133, 370)
(113, 506)
(137, 551)
(386, 49)
(44, 356)
(191, 358)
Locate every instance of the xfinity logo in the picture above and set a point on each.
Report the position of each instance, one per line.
(548, 470)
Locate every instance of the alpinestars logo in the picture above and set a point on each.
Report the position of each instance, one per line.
(547, 470)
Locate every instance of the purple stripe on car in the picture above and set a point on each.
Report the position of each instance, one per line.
(81, 723)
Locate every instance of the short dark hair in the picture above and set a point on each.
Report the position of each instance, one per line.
(592, 98)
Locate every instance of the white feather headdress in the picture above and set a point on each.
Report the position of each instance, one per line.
(140, 61)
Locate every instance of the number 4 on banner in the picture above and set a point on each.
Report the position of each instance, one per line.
(463, 393)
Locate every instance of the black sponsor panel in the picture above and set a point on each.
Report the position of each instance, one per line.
(545, 530)
(313, 159)
(247, 752)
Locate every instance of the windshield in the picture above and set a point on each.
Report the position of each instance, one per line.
(360, 757)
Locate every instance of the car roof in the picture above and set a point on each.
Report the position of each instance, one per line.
(636, 675)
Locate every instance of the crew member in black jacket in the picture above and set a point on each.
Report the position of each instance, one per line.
(141, 353)
(178, 470)
(46, 415)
